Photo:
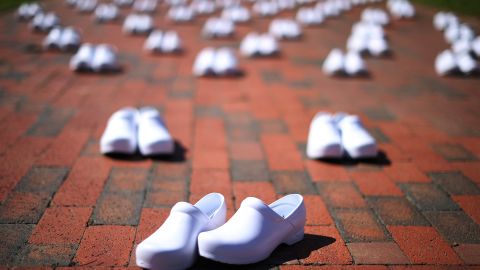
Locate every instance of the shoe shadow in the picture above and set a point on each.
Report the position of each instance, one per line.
(280, 255)
(380, 160)
(177, 156)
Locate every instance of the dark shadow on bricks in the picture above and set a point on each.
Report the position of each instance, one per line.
(365, 75)
(381, 160)
(280, 255)
(177, 156)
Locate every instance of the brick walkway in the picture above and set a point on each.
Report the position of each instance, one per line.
(64, 204)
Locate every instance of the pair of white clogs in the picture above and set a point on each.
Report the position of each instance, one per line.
(259, 45)
(85, 5)
(44, 22)
(65, 39)
(145, 5)
(238, 14)
(128, 128)
(401, 9)
(375, 15)
(97, 58)
(448, 62)
(332, 136)
(219, 62)
(26, 11)
(368, 37)
(350, 64)
(181, 14)
(163, 42)
(216, 27)
(106, 12)
(265, 8)
(203, 7)
(250, 236)
(285, 29)
(138, 24)
(310, 16)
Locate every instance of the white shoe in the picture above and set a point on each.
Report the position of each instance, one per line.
(120, 135)
(204, 62)
(171, 42)
(377, 46)
(153, 135)
(174, 244)
(225, 62)
(445, 63)
(357, 43)
(82, 60)
(104, 59)
(466, 63)
(334, 63)
(52, 40)
(70, 39)
(354, 63)
(356, 140)
(249, 45)
(106, 12)
(154, 41)
(255, 230)
(267, 45)
(324, 138)
(26, 11)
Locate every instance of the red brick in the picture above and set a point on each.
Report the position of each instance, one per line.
(470, 253)
(332, 253)
(281, 152)
(261, 190)
(12, 127)
(246, 151)
(469, 204)
(404, 172)
(171, 171)
(150, 220)
(22, 207)
(377, 253)
(60, 254)
(84, 183)
(470, 169)
(205, 181)
(334, 267)
(118, 208)
(317, 212)
(66, 147)
(423, 245)
(164, 198)
(17, 161)
(375, 184)
(359, 226)
(210, 159)
(127, 180)
(322, 171)
(105, 246)
(61, 225)
(341, 195)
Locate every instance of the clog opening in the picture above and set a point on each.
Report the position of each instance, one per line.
(210, 204)
(285, 206)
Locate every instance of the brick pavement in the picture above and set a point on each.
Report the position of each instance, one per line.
(62, 204)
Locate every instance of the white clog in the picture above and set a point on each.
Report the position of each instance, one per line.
(356, 140)
(334, 63)
(123, 3)
(104, 59)
(255, 230)
(324, 138)
(267, 45)
(106, 12)
(225, 62)
(120, 135)
(153, 135)
(174, 245)
(354, 64)
(145, 5)
(377, 46)
(445, 63)
(52, 40)
(171, 42)
(203, 6)
(70, 39)
(249, 45)
(154, 41)
(204, 62)
(26, 11)
(82, 60)
(465, 62)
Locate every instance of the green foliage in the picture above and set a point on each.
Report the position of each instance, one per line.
(6, 5)
(462, 7)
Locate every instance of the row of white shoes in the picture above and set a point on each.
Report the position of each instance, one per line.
(163, 42)
(181, 14)
(249, 236)
(255, 44)
(309, 16)
(216, 27)
(96, 58)
(337, 135)
(62, 38)
(128, 129)
(338, 63)
(368, 37)
(237, 14)
(216, 62)
(463, 44)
